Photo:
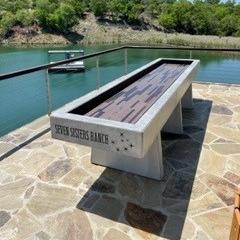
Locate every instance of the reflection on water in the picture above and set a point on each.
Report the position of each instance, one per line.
(23, 99)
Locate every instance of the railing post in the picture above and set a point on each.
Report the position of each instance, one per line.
(190, 54)
(49, 101)
(98, 72)
(126, 60)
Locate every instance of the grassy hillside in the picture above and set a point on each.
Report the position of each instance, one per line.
(91, 31)
(144, 21)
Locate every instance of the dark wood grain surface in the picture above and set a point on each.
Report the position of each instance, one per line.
(133, 101)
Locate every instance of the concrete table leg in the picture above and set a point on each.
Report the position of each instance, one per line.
(174, 123)
(187, 101)
(150, 166)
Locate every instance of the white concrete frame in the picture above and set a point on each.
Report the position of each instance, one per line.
(134, 148)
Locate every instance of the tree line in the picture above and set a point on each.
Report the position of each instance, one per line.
(202, 17)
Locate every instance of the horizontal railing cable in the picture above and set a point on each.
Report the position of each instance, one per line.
(185, 48)
(47, 66)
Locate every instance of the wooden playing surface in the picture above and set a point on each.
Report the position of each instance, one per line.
(133, 101)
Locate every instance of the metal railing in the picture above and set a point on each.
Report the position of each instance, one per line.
(97, 55)
(46, 66)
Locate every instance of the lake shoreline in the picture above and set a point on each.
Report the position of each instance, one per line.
(172, 40)
(92, 32)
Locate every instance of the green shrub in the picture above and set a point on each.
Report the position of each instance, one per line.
(7, 21)
(43, 9)
(167, 21)
(116, 8)
(133, 12)
(98, 7)
(78, 7)
(62, 19)
(14, 5)
(58, 16)
(25, 17)
(229, 25)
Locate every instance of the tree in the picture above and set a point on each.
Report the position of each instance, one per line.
(212, 1)
(7, 21)
(182, 10)
(99, 7)
(60, 16)
(167, 21)
(203, 20)
(133, 11)
(14, 5)
(229, 25)
(63, 18)
(25, 17)
(116, 8)
(43, 9)
(78, 6)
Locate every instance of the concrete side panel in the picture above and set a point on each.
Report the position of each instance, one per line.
(108, 138)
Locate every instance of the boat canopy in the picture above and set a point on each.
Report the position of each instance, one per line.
(65, 51)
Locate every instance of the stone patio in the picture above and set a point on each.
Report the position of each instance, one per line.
(50, 190)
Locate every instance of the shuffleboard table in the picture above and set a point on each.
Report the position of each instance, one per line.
(122, 120)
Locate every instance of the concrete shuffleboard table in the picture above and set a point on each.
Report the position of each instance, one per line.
(122, 120)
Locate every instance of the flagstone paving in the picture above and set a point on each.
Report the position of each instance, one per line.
(50, 190)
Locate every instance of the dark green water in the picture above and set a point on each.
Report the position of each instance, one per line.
(23, 99)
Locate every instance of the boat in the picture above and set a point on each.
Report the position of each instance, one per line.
(76, 66)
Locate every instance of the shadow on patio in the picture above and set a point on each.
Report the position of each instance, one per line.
(156, 207)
